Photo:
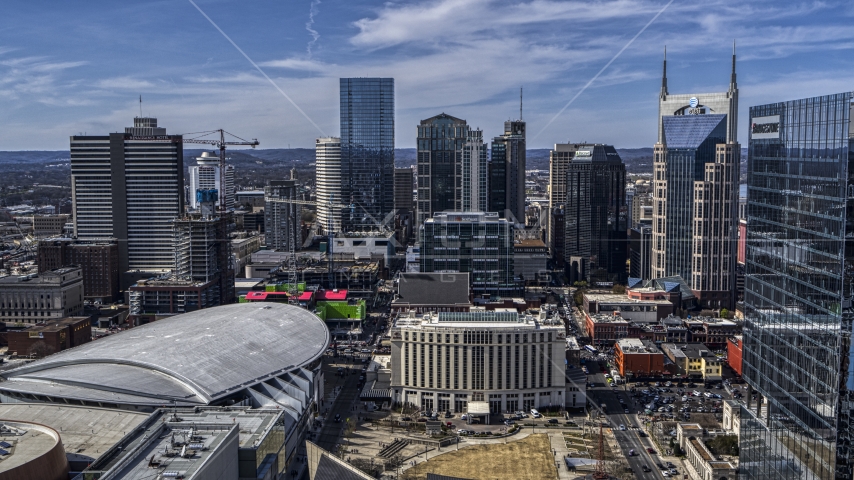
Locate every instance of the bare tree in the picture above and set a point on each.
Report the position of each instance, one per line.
(40, 349)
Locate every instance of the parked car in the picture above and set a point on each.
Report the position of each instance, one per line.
(535, 413)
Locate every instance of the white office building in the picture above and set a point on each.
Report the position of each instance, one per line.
(441, 361)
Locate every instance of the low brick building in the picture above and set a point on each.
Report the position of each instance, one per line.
(50, 337)
(638, 357)
(605, 329)
(734, 345)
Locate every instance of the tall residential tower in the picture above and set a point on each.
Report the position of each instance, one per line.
(327, 158)
(205, 175)
(452, 167)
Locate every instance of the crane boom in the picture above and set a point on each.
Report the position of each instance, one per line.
(220, 143)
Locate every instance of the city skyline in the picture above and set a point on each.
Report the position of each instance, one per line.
(94, 80)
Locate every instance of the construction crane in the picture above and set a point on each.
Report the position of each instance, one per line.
(292, 256)
(220, 143)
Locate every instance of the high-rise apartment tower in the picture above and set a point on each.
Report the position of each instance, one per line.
(327, 157)
(451, 167)
(205, 175)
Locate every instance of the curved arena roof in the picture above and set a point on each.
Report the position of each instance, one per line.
(195, 358)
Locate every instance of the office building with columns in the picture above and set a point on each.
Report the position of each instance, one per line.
(695, 199)
(442, 361)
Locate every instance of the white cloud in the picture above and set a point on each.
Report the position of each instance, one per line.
(124, 83)
(297, 64)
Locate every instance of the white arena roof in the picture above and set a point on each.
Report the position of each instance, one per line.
(251, 350)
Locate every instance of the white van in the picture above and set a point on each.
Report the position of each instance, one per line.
(535, 413)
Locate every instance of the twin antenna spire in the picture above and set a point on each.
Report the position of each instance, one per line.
(664, 70)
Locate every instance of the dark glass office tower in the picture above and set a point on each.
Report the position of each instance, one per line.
(440, 164)
(507, 172)
(367, 151)
(798, 291)
(595, 215)
(474, 242)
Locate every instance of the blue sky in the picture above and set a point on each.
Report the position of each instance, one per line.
(72, 67)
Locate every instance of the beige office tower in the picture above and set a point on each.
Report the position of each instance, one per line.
(695, 180)
(715, 223)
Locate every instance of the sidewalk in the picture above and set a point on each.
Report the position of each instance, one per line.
(559, 445)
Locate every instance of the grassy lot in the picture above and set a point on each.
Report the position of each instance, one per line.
(529, 458)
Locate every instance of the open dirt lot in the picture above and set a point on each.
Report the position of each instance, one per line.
(529, 458)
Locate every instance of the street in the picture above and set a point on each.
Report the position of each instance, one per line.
(630, 438)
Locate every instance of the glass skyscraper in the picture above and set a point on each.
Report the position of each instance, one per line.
(507, 172)
(796, 423)
(367, 151)
(595, 215)
(452, 167)
(695, 168)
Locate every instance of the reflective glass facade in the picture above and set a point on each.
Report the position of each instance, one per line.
(507, 172)
(477, 243)
(367, 150)
(595, 212)
(440, 164)
(690, 145)
(798, 291)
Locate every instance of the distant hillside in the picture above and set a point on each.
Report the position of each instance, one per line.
(256, 165)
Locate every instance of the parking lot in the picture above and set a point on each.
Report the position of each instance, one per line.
(678, 400)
